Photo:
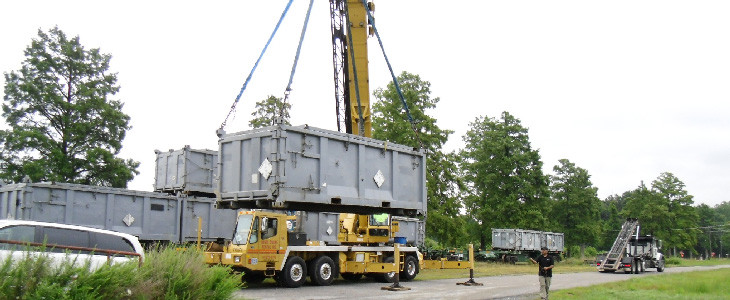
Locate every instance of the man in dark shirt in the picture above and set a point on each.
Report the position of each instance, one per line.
(545, 272)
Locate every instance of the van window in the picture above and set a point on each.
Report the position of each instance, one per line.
(21, 233)
(66, 237)
(112, 242)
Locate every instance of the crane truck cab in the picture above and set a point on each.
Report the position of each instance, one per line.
(263, 247)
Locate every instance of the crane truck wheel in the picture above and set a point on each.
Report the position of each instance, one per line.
(387, 277)
(410, 268)
(322, 270)
(294, 273)
(253, 277)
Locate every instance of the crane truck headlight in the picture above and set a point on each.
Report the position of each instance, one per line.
(236, 259)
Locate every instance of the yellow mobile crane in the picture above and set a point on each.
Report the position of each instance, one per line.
(264, 246)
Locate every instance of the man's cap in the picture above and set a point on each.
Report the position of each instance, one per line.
(543, 248)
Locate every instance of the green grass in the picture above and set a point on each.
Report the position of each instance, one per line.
(482, 269)
(681, 262)
(166, 273)
(692, 285)
(571, 265)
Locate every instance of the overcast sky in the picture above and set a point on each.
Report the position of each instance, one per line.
(624, 89)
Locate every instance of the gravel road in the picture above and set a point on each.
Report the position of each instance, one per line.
(498, 287)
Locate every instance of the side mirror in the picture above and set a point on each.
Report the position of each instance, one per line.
(264, 222)
(659, 244)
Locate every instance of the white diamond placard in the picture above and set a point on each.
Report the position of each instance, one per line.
(265, 168)
(379, 178)
(329, 230)
(128, 219)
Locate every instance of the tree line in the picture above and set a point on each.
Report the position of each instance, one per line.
(65, 126)
(497, 181)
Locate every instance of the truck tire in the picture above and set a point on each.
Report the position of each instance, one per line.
(387, 277)
(660, 266)
(322, 270)
(294, 273)
(410, 268)
(253, 277)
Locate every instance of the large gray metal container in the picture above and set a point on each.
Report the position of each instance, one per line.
(554, 241)
(217, 224)
(320, 226)
(526, 240)
(310, 169)
(413, 229)
(186, 170)
(149, 216)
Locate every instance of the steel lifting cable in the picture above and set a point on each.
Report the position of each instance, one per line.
(392, 74)
(233, 107)
(296, 59)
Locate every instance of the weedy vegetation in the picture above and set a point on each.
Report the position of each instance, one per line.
(167, 273)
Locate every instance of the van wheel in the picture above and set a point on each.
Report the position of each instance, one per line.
(322, 270)
(410, 268)
(294, 273)
(387, 277)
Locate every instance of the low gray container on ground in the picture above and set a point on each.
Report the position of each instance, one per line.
(310, 169)
(321, 226)
(413, 229)
(149, 216)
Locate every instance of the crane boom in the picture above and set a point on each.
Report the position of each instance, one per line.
(351, 65)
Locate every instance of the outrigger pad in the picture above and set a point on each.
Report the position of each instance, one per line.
(395, 287)
(470, 282)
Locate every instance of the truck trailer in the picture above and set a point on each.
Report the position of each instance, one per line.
(631, 252)
(516, 245)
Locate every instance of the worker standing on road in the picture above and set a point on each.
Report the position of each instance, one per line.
(546, 265)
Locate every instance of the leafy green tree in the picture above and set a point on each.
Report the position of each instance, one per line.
(443, 179)
(63, 124)
(723, 209)
(651, 210)
(390, 121)
(708, 237)
(267, 110)
(611, 222)
(682, 215)
(577, 205)
(507, 186)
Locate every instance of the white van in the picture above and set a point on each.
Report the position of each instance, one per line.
(67, 242)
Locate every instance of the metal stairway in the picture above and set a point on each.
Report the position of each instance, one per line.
(613, 259)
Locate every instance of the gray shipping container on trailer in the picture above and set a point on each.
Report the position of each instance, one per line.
(310, 169)
(526, 240)
(150, 216)
(186, 170)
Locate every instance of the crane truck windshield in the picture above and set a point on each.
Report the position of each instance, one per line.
(379, 220)
(243, 228)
